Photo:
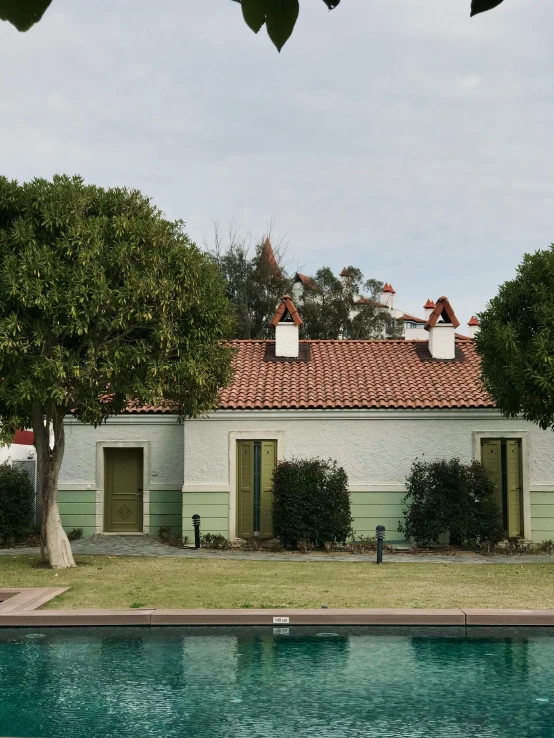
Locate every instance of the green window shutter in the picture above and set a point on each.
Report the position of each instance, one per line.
(491, 456)
(269, 460)
(513, 469)
(245, 489)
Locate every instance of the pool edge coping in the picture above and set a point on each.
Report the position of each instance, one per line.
(277, 617)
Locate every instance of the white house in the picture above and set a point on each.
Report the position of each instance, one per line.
(374, 406)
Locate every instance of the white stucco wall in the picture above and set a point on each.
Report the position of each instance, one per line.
(163, 434)
(376, 448)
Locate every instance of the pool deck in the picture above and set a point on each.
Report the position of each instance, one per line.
(19, 608)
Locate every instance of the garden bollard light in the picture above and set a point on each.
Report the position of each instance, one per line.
(380, 530)
(196, 523)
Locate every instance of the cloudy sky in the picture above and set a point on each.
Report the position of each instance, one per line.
(399, 136)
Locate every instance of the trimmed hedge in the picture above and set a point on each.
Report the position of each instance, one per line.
(448, 497)
(16, 504)
(311, 503)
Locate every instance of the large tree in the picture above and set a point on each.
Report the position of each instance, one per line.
(516, 342)
(278, 16)
(344, 307)
(103, 303)
(255, 278)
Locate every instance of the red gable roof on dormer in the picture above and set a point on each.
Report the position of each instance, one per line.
(444, 310)
(473, 321)
(429, 305)
(287, 306)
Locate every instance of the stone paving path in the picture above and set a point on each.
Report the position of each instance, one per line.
(141, 545)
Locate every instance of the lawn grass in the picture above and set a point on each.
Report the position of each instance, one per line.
(119, 582)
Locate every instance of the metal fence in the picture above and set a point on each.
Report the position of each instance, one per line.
(29, 466)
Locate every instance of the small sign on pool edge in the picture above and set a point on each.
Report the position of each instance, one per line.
(281, 631)
(280, 621)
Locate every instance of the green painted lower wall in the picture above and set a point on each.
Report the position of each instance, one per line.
(166, 511)
(542, 516)
(370, 509)
(174, 509)
(213, 508)
(78, 510)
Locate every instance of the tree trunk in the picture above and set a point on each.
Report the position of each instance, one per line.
(55, 547)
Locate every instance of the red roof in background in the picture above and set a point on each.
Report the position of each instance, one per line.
(412, 318)
(269, 255)
(429, 305)
(388, 288)
(345, 273)
(303, 278)
(24, 438)
(473, 321)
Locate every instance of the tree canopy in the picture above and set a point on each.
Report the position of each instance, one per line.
(103, 303)
(344, 307)
(516, 342)
(278, 16)
(255, 281)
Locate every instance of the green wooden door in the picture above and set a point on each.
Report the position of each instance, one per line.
(123, 490)
(514, 488)
(255, 466)
(245, 489)
(269, 460)
(491, 456)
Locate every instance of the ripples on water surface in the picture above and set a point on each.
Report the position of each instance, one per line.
(250, 683)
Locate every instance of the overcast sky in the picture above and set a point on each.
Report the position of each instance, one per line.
(399, 136)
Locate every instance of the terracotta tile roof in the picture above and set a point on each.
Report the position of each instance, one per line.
(356, 374)
(389, 288)
(365, 301)
(473, 321)
(412, 318)
(287, 305)
(429, 305)
(443, 309)
(303, 278)
(345, 273)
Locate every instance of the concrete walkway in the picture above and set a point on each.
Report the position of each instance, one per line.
(141, 545)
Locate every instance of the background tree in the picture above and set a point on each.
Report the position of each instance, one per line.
(256, 281)
(103, 303)
(278, 16)
(344, 307)
(516, 342)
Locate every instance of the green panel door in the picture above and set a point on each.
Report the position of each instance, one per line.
(245, 489)
(269, 460)
(123, 490)
(515, 497)
(491, 456)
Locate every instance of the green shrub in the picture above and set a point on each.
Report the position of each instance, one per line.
(311, 503)
(75, 534)
(16, 504)
(448, 497)
(214, 540)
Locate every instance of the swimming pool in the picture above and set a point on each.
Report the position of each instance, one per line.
(298, 682)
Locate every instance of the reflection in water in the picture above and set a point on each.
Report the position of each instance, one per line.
(245, 683)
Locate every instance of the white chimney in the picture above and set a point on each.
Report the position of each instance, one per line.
(442, 338)
(428, 309)
(473, 326)
(388, 296)
(287, 323)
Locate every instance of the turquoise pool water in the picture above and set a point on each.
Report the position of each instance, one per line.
(252, 683)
